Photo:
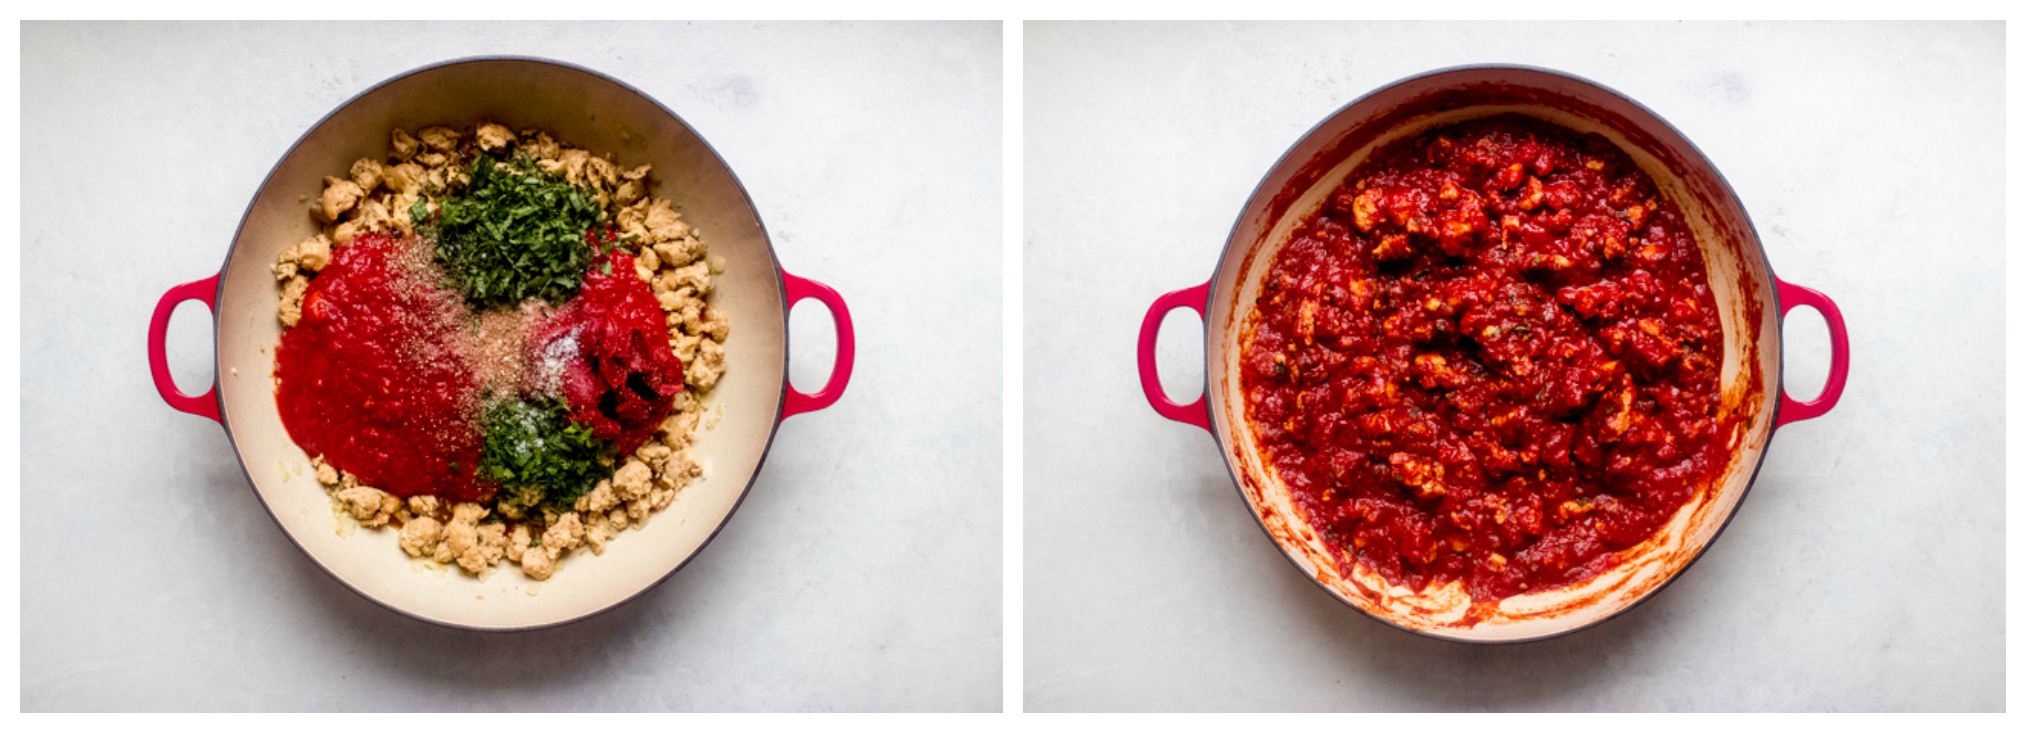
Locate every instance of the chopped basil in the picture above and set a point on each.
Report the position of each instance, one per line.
(540, 458)
(512, 233)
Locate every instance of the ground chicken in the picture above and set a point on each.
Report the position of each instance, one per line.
(595, 538)
(655, 454)
(403, 144)
(424, 505)
(291, 300)
(676, 429)
(629, 192)
(567, 533)
(679, 252)
(491, 136)
(468, 512)
(458, 537)
(405, 178)
(715, 325)
(664, 224)
(348, 231)
(601, 173)
(487, 551)
(631, 480)
(696, 276)
(440, 138)
(709, 365)
(632, 220)
(311, 254)
(368, 173)
(517, 544)
(598, 499)
(340, 196)
(684, 345)
(420, 535)
(372, 507)
(327, 474)
(539, 562)
(570, 164)
(678, 471)
(314, 253)
(538, 144)
(461, 536)
(690, 317)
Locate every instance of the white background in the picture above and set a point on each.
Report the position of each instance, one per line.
(1864, 572)
(863, 570)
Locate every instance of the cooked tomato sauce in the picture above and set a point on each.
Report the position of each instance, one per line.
(1491, 356)
(375, 378)
(607, 353)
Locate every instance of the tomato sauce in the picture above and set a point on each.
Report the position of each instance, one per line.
(1493, 357)
(375, 378)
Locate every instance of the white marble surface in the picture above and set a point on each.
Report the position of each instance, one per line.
(862, 571)
(1865, 571)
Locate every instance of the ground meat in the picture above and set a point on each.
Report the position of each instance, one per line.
(420, 536)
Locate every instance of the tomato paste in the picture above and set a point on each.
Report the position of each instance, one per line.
(607, 354)
(1492, 356)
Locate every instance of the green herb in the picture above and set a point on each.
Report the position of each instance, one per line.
(512, 233)
(541, 459)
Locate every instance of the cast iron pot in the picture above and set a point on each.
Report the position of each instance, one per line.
(585, 108)
(1752, 303)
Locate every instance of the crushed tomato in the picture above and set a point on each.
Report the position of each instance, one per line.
(373, 377)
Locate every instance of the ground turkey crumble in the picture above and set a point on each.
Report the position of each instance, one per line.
(670, 256)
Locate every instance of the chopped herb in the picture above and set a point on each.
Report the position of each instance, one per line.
(540, 458)
(512, 233)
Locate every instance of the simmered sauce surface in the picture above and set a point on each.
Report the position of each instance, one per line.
(1492, 356)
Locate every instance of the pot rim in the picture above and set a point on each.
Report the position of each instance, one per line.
(1218, 428)
(224, 420)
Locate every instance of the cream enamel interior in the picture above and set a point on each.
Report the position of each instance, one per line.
(581, 108)
(1738, 275)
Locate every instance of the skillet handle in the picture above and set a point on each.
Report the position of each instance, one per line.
(1195, 413)
(1792, 410)
(840, 372)
(204, 291)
